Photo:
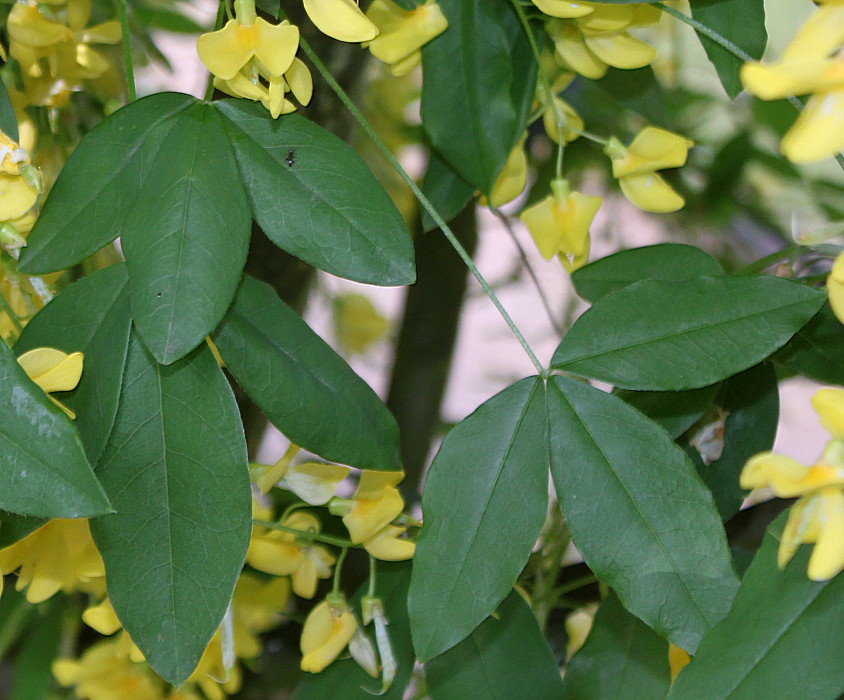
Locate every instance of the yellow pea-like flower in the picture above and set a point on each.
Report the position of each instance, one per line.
(226, 51)
(53, 370)
(402, 33)
(376, 503)
(341, 20)
(328, 629)
(835, 287)
(635, 167)
(559, 224)
(388, 545)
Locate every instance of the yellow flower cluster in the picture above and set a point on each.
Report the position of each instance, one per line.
(54, 46)
(256, 60)
(590, 37)
(818, 515)
(813, 63)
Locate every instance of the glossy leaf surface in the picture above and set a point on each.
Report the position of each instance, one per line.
(304, 387)
(91, 316)
(664, 261)
(621, 659)
(176, 469)
(43, 467)
(782, 639)
(638, 513)
(186, 238)
(506, 657)
(99, 184)
(657, 335)
(477, 537)
(314, 196)
(817, 350)
(741, 22)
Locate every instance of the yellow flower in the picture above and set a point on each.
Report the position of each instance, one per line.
(226, 51)
(341, 20)
(283, 554)
(104, 673)
(635, 167)
(53, 370)
(571, 124)
(588, 42)
(559, 224)
(511, 180)
(818, 516)
(59, 556)
(328, 629)
(402, 33)
(376, 503)
(357, 323)
(835, 287)
(387, 544)
(812, 63)
(313, 482)
(256, 60)
(578, 626)
(56, 57)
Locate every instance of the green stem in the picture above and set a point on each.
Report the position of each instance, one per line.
(762, 263)
(305, 534)
(127, 50)
(372, 571)
(423, 200)
(733, 49)
(546, 86)
(218, 24)
(10, 312)
(575, 585)
(338, 570)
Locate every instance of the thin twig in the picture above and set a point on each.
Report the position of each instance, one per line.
(127, 50)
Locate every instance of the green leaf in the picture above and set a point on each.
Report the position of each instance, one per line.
(176, 469)
(484, 503)
(33, 679)
(817, 350)
(782, 639)
(741, 22)
(675, 411)
(8, 119)
(154, 16)
(468, 107)
(43, 468)
(670, 336)
(665, 261)
(304, 387)
(638, 513)
(446, 190)
(506, 657)
(14, 527)
(750, 402)
(98, 186)
(91, 316)
(316, 198)
(187, 237)
(622, 659)
(344, 678)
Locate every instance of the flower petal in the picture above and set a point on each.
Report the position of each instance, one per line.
(835, 287)
(276, 45)
(818, 133)
(227, 50)
(650, 192)
(621, 50)
(564, 8)
(341, 20)
(51, 369)
(827, 558)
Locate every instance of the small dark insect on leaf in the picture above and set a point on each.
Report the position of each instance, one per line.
(290, 157)
(158, 296)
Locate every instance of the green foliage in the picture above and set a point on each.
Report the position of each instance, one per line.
(488, 83)
(445, 189)
(176, 469)
(46, 472)
(8, 120)
(713, 328)
(676, 411)
(741, 22)
(816, 350)
(672, 262)
(345, 679)
(621, 658)
(302, 385)
(91, 316)
(779, 640)
(476, 539)
(628, 494)
(497, 659)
